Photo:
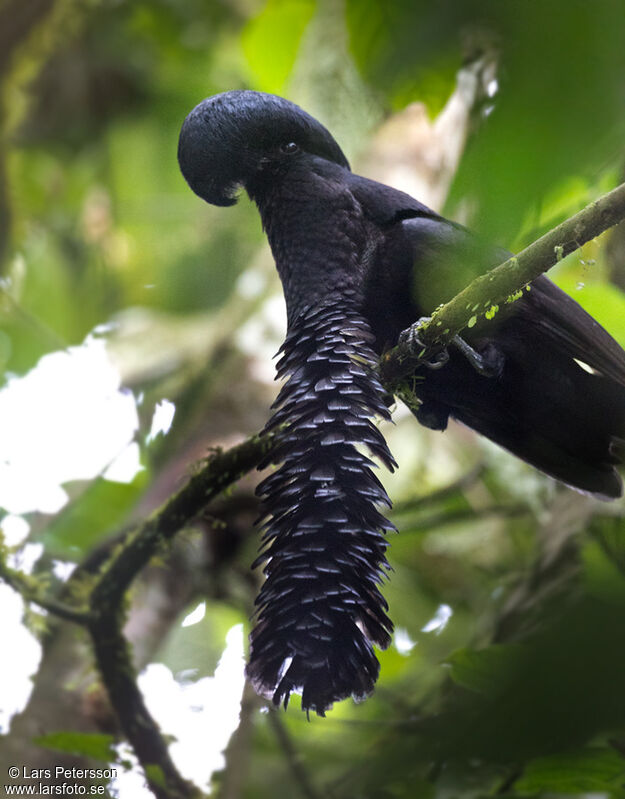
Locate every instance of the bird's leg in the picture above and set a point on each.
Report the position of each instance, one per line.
(410, 336)
(488, 363)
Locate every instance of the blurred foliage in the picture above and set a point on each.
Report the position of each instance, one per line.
(521, 691)
(102, 506)
(91, 745)
(559, 109)
(278, 30)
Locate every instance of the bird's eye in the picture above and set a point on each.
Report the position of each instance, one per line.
(289, 148)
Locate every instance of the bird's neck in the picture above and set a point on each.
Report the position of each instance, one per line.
(317, 237)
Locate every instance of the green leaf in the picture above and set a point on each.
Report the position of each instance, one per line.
(271, 41)
(95, 745)
(102, 507)
(604, 561)
(200, 645)
(610, 533)
(590, 769)
(155, 775)
(487, 670)
(537, 135)
(385, 37)
(602, 300)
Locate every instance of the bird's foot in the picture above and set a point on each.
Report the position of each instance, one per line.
(488, 363)
(410, 336)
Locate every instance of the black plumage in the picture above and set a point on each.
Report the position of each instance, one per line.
(320, 604)
(359, 263)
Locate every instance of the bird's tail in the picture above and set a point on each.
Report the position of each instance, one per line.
(559, 400)
(320, 610)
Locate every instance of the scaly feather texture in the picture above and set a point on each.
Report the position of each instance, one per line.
(320, 609)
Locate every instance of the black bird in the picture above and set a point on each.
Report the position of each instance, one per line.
(359, 263)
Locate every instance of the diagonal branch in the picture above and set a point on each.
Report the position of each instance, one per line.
(32, 590)
(114, 661)
(221, 470)
(296, 766)
(503, 284)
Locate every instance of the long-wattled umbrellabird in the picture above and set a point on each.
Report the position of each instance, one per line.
(360, 262)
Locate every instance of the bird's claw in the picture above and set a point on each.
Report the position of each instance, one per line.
(488, 363)
(410, 336)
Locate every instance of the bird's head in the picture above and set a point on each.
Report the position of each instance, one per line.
(230, 138)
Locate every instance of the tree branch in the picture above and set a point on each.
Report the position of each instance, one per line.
(106, 620)
(115, 664)
(293, 758)
(31, 589)
(222, 470)
(503, 284)
(17, 21)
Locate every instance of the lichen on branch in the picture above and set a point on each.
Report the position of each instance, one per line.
(504, 283)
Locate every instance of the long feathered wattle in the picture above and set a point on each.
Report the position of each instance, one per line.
(320, 610)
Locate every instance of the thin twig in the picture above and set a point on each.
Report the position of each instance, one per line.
(115, 665)
(237, 753)
(434, 520)
(31, 590)
(292, 756)
(440, 494)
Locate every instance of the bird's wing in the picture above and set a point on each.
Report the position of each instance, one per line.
(447, 256)
(562, 320)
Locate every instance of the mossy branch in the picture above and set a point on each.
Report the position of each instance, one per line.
(502, 284)
(114, 661)
(33, 590)
(106, 619)
(221, 470)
